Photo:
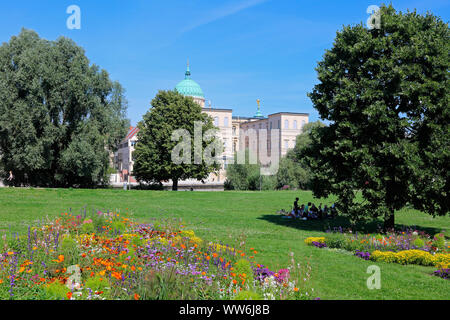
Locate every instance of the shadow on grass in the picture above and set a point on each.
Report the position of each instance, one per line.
(338, 222)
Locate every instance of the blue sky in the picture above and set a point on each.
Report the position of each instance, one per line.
(239, 50)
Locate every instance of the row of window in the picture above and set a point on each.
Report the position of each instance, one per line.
(272, 126)
(125, 144)
(225, 122)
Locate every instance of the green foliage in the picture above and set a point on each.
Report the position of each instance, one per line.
(173, 112)
(88, 227)
(292, 174)
(385, 93)
(247, 295)
(419, 243)
(439, 241)
(56, 291)
(336, 240)
(118, 226)
(59, 115)
(243, 266)
(248, 176)
(97, 283)
(68, 243)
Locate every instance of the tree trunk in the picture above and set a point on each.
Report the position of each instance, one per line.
(174, 184)
(389, 220)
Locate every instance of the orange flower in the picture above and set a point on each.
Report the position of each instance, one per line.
(136, 296)
(295, 289)
(60, 259)
(117, 275)
(69, 295)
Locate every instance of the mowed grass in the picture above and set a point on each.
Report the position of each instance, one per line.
(228, 216)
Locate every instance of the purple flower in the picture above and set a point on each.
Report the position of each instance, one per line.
(443, 273)
(319, 244)
(362, 254)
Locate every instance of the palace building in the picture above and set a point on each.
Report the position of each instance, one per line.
(233, 132)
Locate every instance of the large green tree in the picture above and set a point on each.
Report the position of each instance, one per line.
(59, 116)
(169, 128)
(385, 92)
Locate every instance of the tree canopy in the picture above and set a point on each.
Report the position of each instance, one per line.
(385, 92)
(59, 116)
(168, 125)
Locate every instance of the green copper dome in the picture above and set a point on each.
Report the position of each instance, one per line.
(189, 87)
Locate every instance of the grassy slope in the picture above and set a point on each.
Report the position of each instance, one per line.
(224, 216)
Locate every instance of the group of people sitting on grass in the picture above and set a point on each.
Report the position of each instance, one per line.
(310, 211)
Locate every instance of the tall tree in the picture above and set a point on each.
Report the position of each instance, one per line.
(385, 92)
(173, 113)
(59, 115)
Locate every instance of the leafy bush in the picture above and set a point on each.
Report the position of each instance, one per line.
(405, 257)
(87, 226)
(419, 243)
(439, 241)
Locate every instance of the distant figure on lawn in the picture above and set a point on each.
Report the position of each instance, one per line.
(310, 211)
(296, 207)
(11, 176)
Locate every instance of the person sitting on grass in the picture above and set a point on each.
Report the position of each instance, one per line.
(296, 207)
(314, 211)
(301, 212)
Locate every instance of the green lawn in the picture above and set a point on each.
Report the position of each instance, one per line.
(225, 216)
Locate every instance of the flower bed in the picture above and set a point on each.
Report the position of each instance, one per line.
(108, 256)
(406, 247)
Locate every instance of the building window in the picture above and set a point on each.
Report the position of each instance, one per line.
(295, 124)
(225, 122)
(286, 144)
(279, 124)
(286, 124)
(216, 121)
(270, 125)
(303, 123)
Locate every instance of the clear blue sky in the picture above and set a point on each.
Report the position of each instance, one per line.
(239, 50)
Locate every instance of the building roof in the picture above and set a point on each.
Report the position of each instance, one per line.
(217, 110)
(290, 113)
(189, 87)
(131, 133)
